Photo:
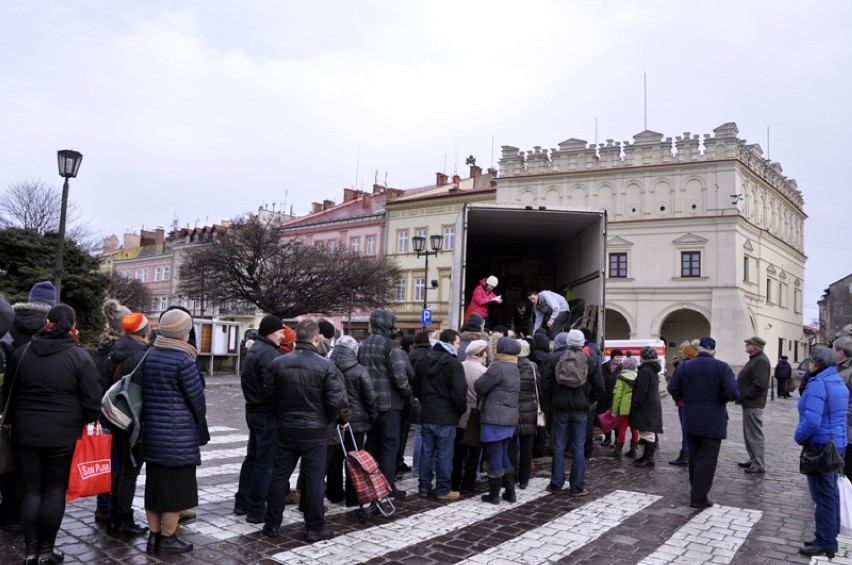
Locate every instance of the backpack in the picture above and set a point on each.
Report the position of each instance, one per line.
(572, 369)
(122, 403)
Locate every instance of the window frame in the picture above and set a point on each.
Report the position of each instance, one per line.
(618, 272)
(689, 260)
(402, 242)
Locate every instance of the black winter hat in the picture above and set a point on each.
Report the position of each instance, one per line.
(326, 328)
(269, 325)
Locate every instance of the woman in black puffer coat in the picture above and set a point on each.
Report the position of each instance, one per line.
(55, 390)
(527, 415)
(646, 412)
(362, 402)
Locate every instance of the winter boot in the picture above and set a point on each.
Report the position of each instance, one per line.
(634, 446)
(616, 451)
(123, 524)
(647, 459)
(153, 546)
(509, 485)
(682, 459)
(170, 545)
(493, 496)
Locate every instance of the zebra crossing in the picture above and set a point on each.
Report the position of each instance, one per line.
(713, 535)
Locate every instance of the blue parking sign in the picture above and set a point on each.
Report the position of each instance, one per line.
(426, 317)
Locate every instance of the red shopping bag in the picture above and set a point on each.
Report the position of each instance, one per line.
(91, 468)
(607, 421)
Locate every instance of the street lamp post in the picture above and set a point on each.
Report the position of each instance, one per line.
(69, 164)
(436, 242)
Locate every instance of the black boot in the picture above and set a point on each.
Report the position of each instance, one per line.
(169, 545)
(682, 459)
(153, 546)
(509, 485)
(123, 524)
(493, 496)
(647, 459)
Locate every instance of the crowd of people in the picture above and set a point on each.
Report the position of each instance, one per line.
(484, 402)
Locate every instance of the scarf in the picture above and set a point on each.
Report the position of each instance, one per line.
(72, 332)
(163, 342)
(505, 358)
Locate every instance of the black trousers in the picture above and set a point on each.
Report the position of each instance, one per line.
(465, 463)
(703, 456)
(45, 472)
(125, 474)
(287, 453)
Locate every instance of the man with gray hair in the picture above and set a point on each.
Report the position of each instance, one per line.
(843, 348)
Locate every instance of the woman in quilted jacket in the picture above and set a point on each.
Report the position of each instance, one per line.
(622, 398)
(173, 410)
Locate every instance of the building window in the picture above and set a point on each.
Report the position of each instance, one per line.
(782, 295)
(402, 241)
(746, 272)
(617, 265)
(400, 290)
(690, 264)
(769, 290)
(422, 232)
(371, 245)
(333, 245)
(163, 303)
(155, 302)
(138, 274)
(158, 274)
(167, 272)
(355, 244)
(797, 301)
(419, 289)
(449, 238)
(319, 245)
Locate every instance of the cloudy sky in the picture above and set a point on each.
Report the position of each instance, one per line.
(197, 111)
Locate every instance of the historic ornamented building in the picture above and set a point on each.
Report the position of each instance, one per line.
(705, 235)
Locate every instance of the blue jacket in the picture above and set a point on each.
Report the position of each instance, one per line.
(814, 418)
(173, 406)
(705, 385)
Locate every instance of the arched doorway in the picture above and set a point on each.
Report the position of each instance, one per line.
(679, 326)
(616, 326)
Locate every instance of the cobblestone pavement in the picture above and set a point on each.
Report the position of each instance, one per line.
(630, 516)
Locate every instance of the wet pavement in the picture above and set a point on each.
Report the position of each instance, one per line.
(630, 516)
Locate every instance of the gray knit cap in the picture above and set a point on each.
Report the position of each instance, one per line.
(823, 357)
(175, 324)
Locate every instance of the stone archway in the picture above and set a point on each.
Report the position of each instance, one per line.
(679, 326)
(617, 326)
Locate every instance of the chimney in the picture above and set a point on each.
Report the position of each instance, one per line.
(378, 189)
(475, 171)
(393, 194)
(316, 207)
(326, 204)
(441, 179)
(456, 180)
(349, 194)
(367, 200)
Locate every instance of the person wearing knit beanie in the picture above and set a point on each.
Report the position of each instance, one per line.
(43, 293)
(114, 313)
(175, 324)
(135, 324)
(288, 338)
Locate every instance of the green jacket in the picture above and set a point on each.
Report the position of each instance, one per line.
(622, 395)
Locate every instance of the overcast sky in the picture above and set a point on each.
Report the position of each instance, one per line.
(198, 111)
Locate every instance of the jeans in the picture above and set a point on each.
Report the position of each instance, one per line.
(383, 443)
(256, 470)
(287, 453)
(436, 456)
(569, 425)
(753, 436)
(45, 471)
(684, 445)
(415, 453)
(826, 497)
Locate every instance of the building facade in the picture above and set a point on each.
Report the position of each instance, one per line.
(705, 236)
(835, 310)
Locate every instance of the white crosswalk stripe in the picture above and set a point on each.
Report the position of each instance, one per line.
(568, 533)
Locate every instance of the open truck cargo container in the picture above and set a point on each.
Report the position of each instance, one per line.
(556, 249)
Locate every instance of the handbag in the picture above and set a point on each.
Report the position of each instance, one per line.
(91, 467)
(818, 459)
(540, 418)
(474, 427)
(122, 402)
(791, 386)
(8, 461)
(845, 488)
(608, 421)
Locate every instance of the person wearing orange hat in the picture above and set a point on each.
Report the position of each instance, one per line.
(288, 340)
(128, 351)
